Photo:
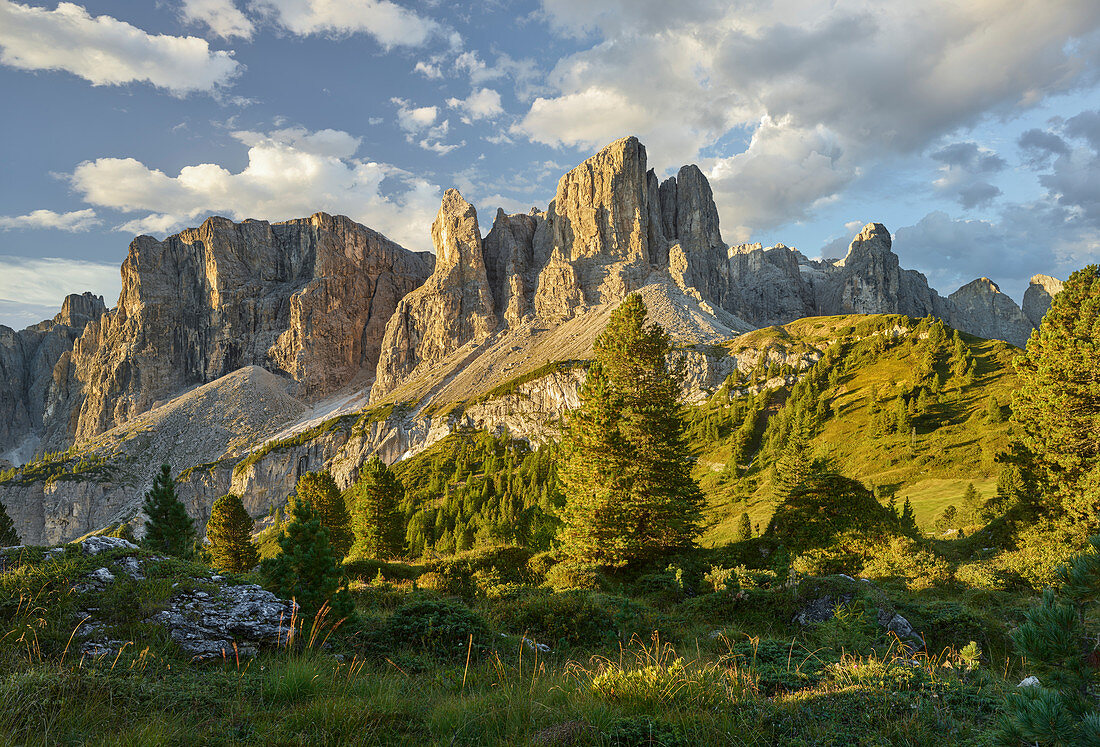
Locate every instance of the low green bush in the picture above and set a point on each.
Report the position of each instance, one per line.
(444, 628)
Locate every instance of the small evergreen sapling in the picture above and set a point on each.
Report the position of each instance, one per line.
(229, 532)
(168, 528)
(744, 527)
(308, 570)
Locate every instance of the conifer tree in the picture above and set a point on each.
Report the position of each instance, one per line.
(1057, 403)
(744, 527)
(308, 569)
(168, 528)
(627, 468)
(792, 468)
(378, 524)
(320, 491)
(229, 535)
(1058, 643)
(8, 536)
(908, 519)
(972, 505)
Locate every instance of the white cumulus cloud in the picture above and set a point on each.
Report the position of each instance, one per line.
(74, 222)
(390, 24)
(855, 82)
(290, 173)
(107, 51)
(483, 103)
(222, 17)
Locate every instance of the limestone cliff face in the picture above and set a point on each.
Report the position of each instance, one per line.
(1040, 292)
(597, 232)
(697, 256)
(511, 265)
(768, 284)
(980, 308)
(454, 307)
(30, 362)
(308, 298)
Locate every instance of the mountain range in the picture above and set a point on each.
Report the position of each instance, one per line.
(244, 353)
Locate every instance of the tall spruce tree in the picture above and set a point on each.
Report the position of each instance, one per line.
(8, 536)
(319, 490)
(229, 533)
(1057, 404)
(627, 469)
(308, 569)
(168, 528)
(377, 521)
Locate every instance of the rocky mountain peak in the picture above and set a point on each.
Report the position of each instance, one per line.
(79, 309)
(872, 240)
(1040, 292)
(452, 308)
(980, 308)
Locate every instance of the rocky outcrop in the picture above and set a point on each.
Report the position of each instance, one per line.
(308, 298)
(453, 307)
(31, 362)
(1040, 292)
(776, 285)
(227, 622)
(768, 284)
(511, 265)
(980, 308)
(212, 619)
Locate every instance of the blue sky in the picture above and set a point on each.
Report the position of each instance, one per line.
(972, 130)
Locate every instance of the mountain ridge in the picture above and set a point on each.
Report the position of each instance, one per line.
(334, 309)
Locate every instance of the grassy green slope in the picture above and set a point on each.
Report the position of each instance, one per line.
(955, 440)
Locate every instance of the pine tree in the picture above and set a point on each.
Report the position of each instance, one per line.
(972, 506)
(320, 491)
(308, 570)
(168, 528)
(378, 524)
(627, 467)
(1057, 641)
(8, 536)
(946, 520)
(792, 468)
(744, 527)
(229, 535)
(908, 519)
(1057, 403)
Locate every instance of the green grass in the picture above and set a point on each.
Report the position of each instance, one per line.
(759, 680)
(954, 443)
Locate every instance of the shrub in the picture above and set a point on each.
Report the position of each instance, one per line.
(906, 560)
(574, 618)
(574, 575)
(445, 628)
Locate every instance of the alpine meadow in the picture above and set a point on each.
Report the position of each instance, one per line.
(369, 451)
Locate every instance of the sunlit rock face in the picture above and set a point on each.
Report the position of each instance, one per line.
(30, 359)
(308, 298)
(454, 307)
(1040, 292)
